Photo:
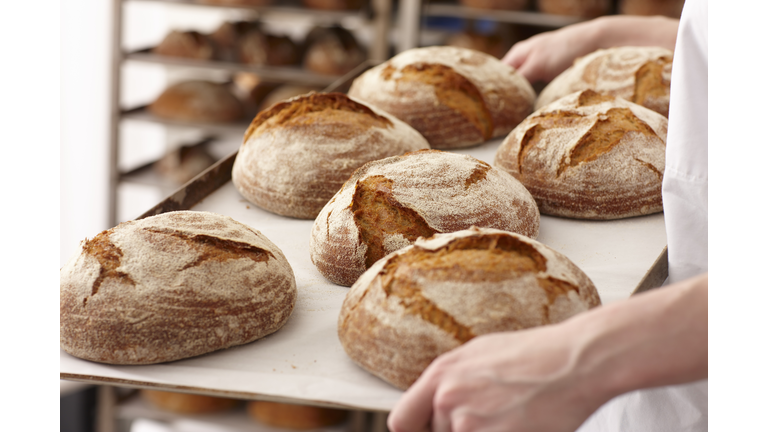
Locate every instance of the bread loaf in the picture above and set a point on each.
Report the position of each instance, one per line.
(387, 204)
(637, 74)
(589, 156)
(297, 417)
(455, 97)
(285, 92)
(577, 8)
(333, 4)
(262, 49)
(188, 44)
(198, 101)
(298, 153)
(187, 403)
(227, 38)
(172, 286)
(670, 8)
(491, 44)
(332, 51)
(429, 298)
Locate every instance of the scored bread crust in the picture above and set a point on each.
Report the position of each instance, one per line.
(589, 156)
(297, 154)
(172, 286)
(638, 74)
(455, 97)
(442, 191)
(426, 299)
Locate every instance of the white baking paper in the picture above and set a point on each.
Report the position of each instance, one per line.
(304, 361)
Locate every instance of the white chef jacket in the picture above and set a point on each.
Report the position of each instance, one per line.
(679, 408)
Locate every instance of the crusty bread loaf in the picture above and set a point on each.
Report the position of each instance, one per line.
(670, 8)
(188, 44)
(298, 153)
(172, 286)
(187, 403)
(496, 4)
(198, 101)
(387, 204)
(429, 298)
(285, 92)
(455, 97)
(239, 2)
(589, 156)
(577, 8)
(227, 38)
(297, 417)
(332, 51)
(637, 74)
(259, 48)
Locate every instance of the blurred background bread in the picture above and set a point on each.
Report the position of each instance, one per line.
(188, 403)
(295, 417)
(197, 100)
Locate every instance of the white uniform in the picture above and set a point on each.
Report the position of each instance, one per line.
(679, 408)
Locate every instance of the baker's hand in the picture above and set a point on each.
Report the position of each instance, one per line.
(546, 55)
(515, 381)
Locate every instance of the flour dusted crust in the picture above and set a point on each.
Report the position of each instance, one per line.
(637, 74)
(297, 154)
(455, 97)
(429, 298)
(589, 156)
(172, 286)
(387, 204)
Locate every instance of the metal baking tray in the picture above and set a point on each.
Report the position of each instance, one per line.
(304, 362)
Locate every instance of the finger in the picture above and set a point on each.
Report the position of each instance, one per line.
(516, 56)
(413, 411)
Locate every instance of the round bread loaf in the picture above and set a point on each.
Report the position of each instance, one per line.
(259, 48)
(172, 286)
(198, 101)
(577, 8)
(298, 417)
(456, 97)
(187, 403)
(227, 38)
(332, 51)
(670, 8)
(637, 74)
(387, 204)
(188, 44)
(491, 44)
(299, 152)
(429, 298)
(589, 156)
(285, 92)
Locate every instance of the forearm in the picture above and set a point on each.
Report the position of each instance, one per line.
(654, 339)
(628, 30)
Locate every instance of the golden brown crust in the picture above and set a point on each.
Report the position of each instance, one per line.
(333, 4)
(426, 299)
(298, 153)
(332, 51)
(638, 74)
(186, 403)
(455, 97)
(172, 286)
(589, 156)
(496, 4)
(291, 416)
(195, 101)
(670, 8)
(390, 203)
(188, 44)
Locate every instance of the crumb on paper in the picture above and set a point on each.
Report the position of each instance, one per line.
(293, 366)
(248, 207)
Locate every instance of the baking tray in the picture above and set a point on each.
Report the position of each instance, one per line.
(304, 362)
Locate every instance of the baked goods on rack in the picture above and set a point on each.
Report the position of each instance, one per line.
(589, 156)
(455, 97)
(439, 293)
(296, 155)
(496, 4)
(187, 403)
(387, 204)
(198, 101)
(332, 51)
(187, 44)
(333, 4)
(296, 417)
(670, 8)
(172, 286)
(492, 44)
(637, 74)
